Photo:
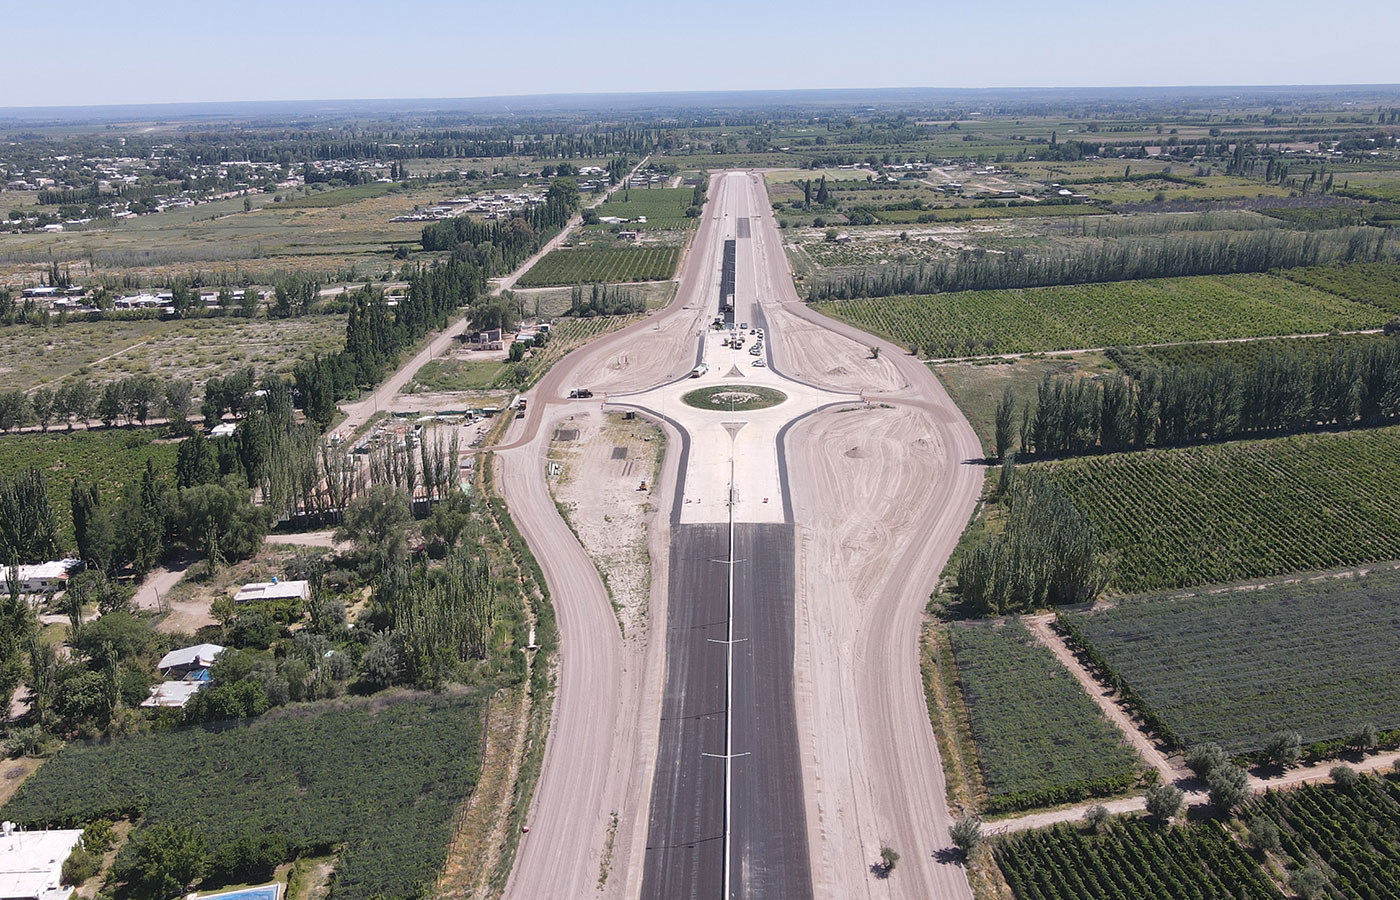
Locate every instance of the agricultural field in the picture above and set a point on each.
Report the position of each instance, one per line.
(568, 334)
(970, 323)
(282, 778)
(192, 348)
(1133, 859)
(1235, 667)
(1376, 283)
(663, 207)
(1040, 740)
(603, 265)
(113, 457)
(1351, 836)
(1246, 509)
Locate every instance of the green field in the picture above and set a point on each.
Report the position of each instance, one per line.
(970, 323)
(113, 457)
(381, 780)
(1351, 836)
(1134, 860)
(605, 265)
(663, 207)
(1040, 740)
(1238, 666)
(1246, 509)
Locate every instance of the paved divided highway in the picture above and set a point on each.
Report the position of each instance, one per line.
(637, 779)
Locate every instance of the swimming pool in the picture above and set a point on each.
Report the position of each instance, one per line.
(262, 892)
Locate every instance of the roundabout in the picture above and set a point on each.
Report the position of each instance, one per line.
(724, 398)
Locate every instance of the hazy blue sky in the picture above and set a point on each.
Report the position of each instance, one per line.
(67, 52)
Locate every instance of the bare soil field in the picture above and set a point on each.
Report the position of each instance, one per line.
(598, 465)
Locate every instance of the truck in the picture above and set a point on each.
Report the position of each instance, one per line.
(699, 370)
(520, 408)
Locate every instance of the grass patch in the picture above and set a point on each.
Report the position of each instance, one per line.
(459, 374)
(970, 323)
(1040, 740)
(604, 265)
(382, 778)
(724, 398)
(1237, 666)
(1247, 509)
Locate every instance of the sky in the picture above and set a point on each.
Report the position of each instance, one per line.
(81, 52)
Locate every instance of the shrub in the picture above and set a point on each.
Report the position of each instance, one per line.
(967, 834)
(1264, 835)
(80, 866)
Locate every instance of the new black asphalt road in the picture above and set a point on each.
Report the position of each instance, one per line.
(768, 846)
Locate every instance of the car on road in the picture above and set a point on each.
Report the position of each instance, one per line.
(760, 363)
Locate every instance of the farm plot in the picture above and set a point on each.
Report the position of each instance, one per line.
(1133, 859)
(1040, 739)
(1155, 311)
(603, 265)
(1351, 836)
(281, 781)
(1238, 666)
(1226, 512)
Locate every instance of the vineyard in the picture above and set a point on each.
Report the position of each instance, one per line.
(382, 780)
(1133, 859)
(1243, 355)
(605, 265)
(1352, 836)
(1225, 512)
(970, 323)
(1377, 283)
(1040, 739)
(113, 457)
(1237, 667)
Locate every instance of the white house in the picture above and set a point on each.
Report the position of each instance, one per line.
(44, 578)
(172, 694)
(273, 590)
(31, 862)
(186, 660)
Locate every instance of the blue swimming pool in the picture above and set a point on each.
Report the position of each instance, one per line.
(265, 892)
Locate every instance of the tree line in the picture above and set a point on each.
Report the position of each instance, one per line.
(133, 400)
(1173, 255)
(1047, 554)
(1287, 391)
(604, 300)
